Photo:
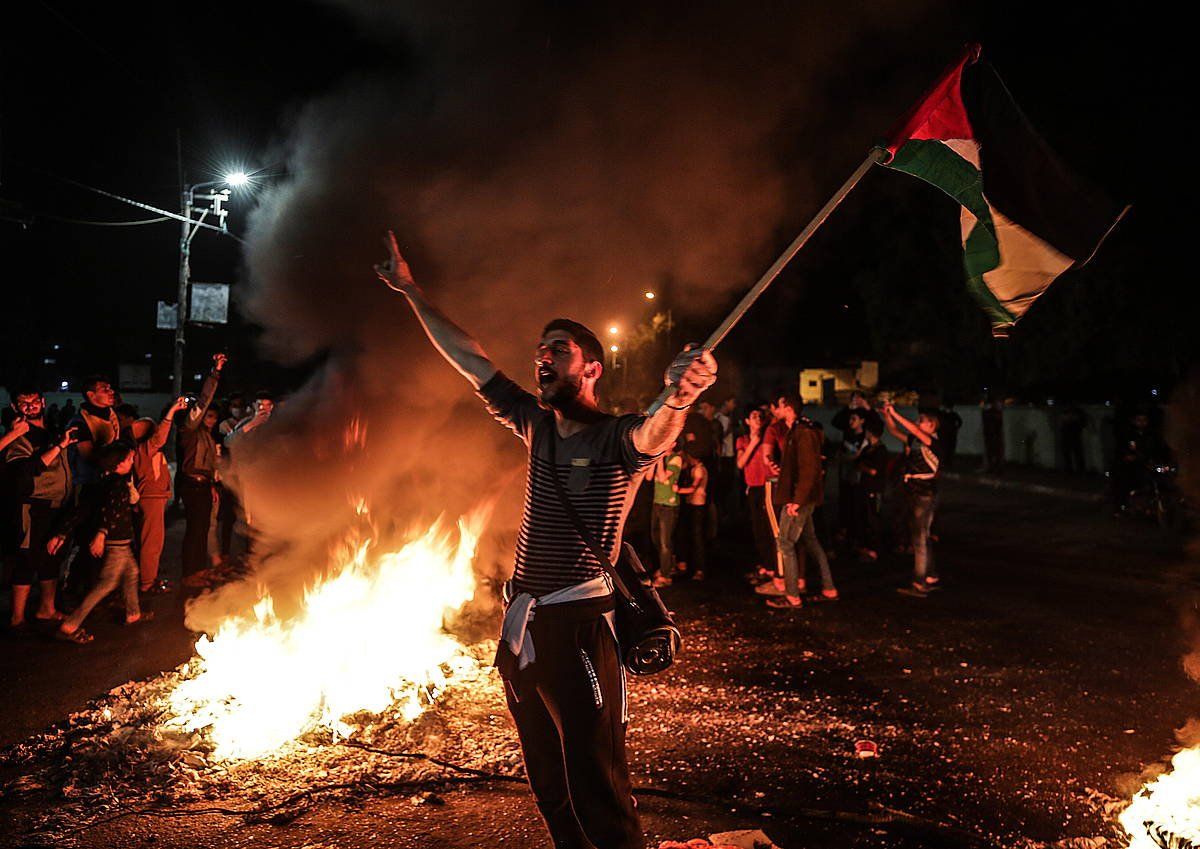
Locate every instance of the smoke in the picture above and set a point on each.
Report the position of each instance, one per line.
(534, 161)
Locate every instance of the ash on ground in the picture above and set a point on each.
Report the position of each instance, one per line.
(121, 755)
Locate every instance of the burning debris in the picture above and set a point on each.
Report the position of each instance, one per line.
(370, 637)
(362, 686)
(1165, 814)
(128, 752)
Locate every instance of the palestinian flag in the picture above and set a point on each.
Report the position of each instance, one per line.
(1025, 217)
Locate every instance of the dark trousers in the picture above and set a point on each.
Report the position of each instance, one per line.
(1072, 443)
(30, 561)
(84, 568)
(569, 708)
(760, 527)
(197, 513)
(868, 523)
(695, 525)
(847, 496)
(227, 514)
(728, 494)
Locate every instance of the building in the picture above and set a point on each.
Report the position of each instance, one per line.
(834, 385)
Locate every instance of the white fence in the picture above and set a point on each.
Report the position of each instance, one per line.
(1031, 434)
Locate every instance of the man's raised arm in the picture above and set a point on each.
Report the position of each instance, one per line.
(692, 372)
(455, 344)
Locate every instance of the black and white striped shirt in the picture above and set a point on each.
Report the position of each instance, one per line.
(599, 468)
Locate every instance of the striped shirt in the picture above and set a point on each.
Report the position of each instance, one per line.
(599, 468)
(921, 465)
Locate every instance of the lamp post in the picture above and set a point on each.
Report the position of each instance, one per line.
(188, 231)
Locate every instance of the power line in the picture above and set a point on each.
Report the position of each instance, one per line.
(163, 212)
(85, 222)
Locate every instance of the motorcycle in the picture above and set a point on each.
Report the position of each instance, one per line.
(1158, 496)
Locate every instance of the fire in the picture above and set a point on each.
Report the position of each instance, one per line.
(1166, 812)
(370, 637)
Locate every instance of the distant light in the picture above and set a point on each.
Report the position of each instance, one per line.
(649, 296)
(1154, 392)
(56, 346)
(237, 178)
(148, 356)
(197, 376)
(614, 348)
(64, 385)
(48, 361)
(614, 330)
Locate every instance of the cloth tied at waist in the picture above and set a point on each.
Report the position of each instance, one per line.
(514, 632)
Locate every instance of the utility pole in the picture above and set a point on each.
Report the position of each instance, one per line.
(215, 204)
(181, 315)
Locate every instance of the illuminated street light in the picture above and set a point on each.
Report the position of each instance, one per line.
(614, 348)
(237, 178)
(613, 330)
(649, 296)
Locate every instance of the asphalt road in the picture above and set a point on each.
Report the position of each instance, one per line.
(44, 680)
(1042, 679)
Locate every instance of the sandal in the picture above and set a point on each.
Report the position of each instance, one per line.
(160, 587)
(144, 616)
(79, 636)
(782, 602)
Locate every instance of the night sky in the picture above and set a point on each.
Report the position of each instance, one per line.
(99, 95)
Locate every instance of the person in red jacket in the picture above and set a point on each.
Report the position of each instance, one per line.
(801, 489)
(152, 479)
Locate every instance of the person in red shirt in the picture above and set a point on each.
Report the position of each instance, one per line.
(750, 454)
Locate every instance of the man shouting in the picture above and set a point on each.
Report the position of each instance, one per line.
(563, 675)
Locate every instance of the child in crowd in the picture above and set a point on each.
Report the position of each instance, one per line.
(110, 515)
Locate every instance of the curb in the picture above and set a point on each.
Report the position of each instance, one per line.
(990, 482)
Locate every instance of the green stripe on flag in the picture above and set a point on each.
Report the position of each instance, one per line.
(940, 166)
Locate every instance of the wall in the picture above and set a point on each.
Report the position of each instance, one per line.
(1030, 433)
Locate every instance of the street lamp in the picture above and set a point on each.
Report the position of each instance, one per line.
(649, 296)
(613, 330)
(215, 207)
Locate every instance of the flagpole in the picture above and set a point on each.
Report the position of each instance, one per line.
(876, 156)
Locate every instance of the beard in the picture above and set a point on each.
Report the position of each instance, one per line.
(561, 394)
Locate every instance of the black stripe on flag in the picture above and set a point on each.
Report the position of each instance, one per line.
(1025, 180)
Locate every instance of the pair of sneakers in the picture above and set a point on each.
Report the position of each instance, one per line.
(921, 589)
(777, 597)
(789, 602)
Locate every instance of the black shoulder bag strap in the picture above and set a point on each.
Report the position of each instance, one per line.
(576, 519)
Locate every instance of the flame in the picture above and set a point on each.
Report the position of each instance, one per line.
(1167, 808)
(370, 637)
(354, 437)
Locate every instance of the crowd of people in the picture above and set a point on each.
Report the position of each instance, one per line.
(85, 493)
(86, 490)
(767, 475)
